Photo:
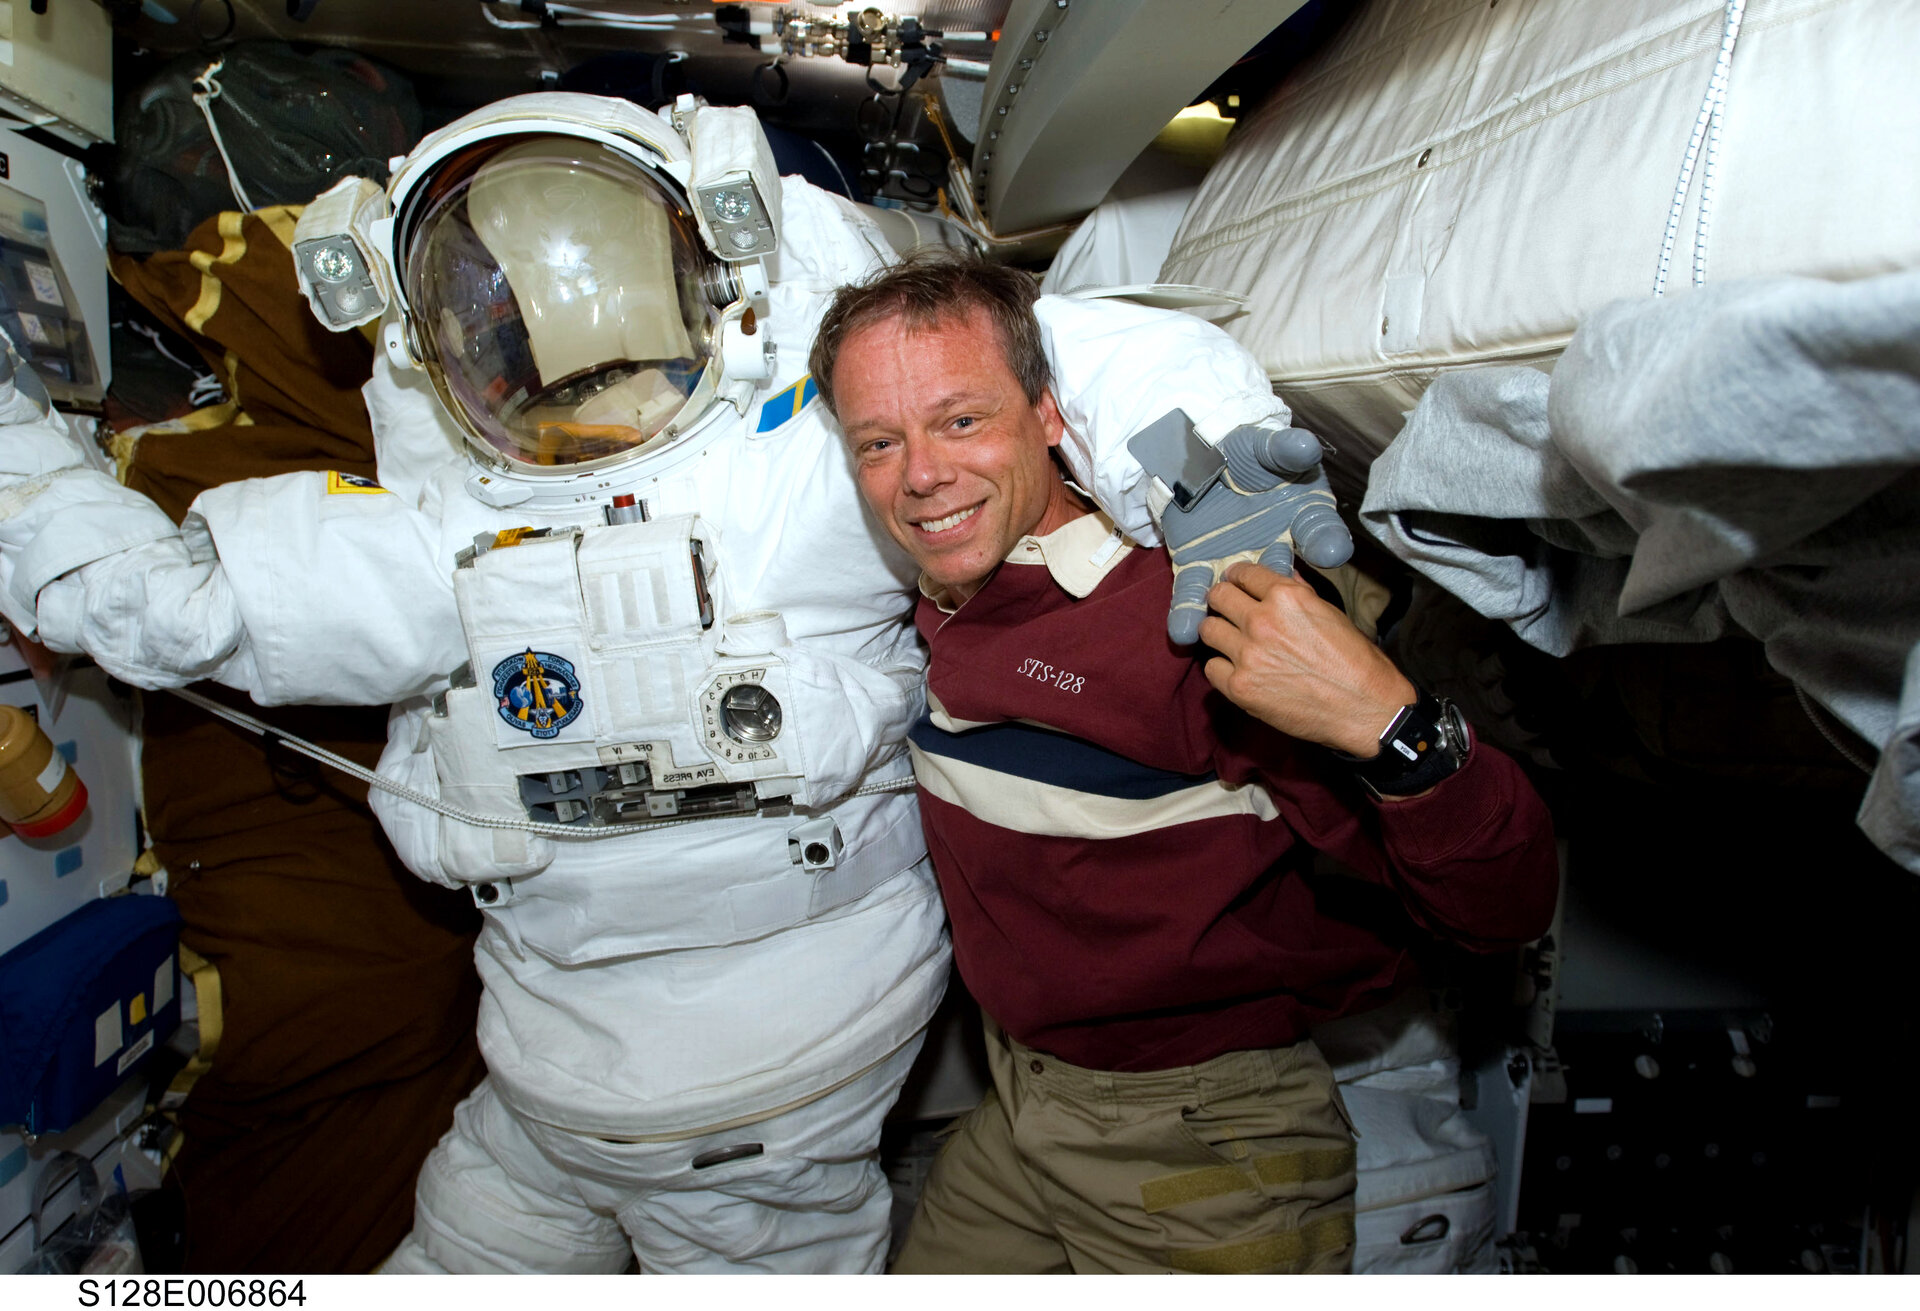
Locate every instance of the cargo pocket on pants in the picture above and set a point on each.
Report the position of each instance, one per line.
(1278, 1193)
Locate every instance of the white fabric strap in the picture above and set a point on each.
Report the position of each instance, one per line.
(804, 894)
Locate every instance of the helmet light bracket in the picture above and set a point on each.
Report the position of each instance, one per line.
(734, 183)
(735, 212)
(336, 257)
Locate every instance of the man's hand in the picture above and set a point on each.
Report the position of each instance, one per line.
(1272, 500)
(1295, 662)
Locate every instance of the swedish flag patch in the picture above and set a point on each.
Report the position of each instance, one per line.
(786, 406)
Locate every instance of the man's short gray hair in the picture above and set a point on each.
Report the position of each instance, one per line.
(931, 288)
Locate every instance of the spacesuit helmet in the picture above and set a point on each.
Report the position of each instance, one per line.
(557, 291)
(577, 276)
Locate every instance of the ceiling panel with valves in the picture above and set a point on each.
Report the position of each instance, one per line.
(522, 40)
(891, 94)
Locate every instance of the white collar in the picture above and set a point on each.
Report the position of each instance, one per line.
(1079, 554)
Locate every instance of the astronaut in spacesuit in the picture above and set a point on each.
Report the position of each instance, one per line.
(650, 662)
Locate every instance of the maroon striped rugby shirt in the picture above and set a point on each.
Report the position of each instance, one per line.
(1124, 854)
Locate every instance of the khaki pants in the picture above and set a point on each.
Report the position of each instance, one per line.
(1244, 1164)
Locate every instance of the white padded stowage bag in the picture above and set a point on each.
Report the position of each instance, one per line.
(1453, 182)
(1424, 1202)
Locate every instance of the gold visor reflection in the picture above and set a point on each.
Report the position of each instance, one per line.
(576, 443)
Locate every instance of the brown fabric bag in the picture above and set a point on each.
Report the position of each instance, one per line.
(349, 985)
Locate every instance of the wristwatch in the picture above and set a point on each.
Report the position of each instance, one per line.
(1426, 742)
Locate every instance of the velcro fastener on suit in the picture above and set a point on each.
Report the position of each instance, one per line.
(1279, 1169)
(1292, 1250)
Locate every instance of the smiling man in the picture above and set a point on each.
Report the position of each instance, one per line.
(1123, 849)
(952, 450)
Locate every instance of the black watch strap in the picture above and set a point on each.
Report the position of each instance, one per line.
(1426, 742)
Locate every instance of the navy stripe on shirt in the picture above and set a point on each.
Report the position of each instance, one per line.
(1041, 756)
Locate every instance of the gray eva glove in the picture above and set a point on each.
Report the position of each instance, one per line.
(1271, 501)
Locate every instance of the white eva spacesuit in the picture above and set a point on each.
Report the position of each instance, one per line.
(646, 590)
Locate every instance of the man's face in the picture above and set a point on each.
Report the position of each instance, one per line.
(948, 451)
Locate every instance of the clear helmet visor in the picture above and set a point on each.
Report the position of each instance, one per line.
(557, 296)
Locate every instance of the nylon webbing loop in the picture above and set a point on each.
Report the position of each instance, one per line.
(204, 977)
(210, 1001)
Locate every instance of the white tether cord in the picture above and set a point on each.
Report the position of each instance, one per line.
(205, 91)
(439, 807)
(1706, 132)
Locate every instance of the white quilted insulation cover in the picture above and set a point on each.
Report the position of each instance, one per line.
(1455, 182)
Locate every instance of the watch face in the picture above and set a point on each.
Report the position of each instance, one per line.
(1424, 729)
(1427, 742)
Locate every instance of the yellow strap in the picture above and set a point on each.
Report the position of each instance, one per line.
(1292, 1250)
(125, 444)
(231, 362)
(233, 245)
(170, 1151)
(207, 416)
(281, 220)
(121, 446)
(205, 977)
(1281, 1168)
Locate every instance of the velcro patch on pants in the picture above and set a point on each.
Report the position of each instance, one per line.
(1278, 1169)
(1292, 1250)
